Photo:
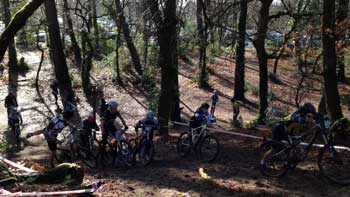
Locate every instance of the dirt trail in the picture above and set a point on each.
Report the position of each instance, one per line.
(34, 113)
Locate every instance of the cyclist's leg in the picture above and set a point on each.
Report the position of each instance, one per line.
(278, 134)
(213, 107)
(84, 139)
(151, 136)
(53, 147)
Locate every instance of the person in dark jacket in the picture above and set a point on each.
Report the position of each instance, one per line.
(214, 100)
(87, 126)
(201, 116)
(11, 101)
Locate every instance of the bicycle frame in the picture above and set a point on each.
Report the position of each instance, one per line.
(295, 141)
(203, 132)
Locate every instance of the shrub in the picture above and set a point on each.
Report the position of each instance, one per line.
(252, 88)
(237, 123)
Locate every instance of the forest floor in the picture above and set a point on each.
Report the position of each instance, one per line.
(235, 172)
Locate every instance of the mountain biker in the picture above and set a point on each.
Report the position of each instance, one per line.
(14, 117)
(148, 124)
(87, 126)
(214, 100)
(51, 131)
(107, 122)
(303, 118)
(201, 116)
(11, 101)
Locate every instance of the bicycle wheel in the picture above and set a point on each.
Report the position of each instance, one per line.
(209, 148)
(126, 153)
(63, 155)
(133, 145)
(146, 152)
(334, 164)
(274, 162)
(184, 144)
(87, 157)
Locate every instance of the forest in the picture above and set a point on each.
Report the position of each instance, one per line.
(174, 98)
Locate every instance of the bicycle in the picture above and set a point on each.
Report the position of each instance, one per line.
(143, 146)
(117, 150)
(75, 151)
(205, 145)
(333, 162)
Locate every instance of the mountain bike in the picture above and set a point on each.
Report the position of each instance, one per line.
(206, 146)
(117, 151)
(70, 150)
(143, 146)
(333, 161)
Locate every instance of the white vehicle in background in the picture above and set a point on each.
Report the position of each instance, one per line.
(2, 26)
(41, 36)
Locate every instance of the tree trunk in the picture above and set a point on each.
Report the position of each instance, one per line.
(129, 42)
(117, 46)
(18, 21)
(75, 46)
(329, 61)
(87, 61)
(94, 24)
(240, 51)
(343, 8)
(58, 57)
(322, 108)
(167, 39)
(202, 35)
(259, 44)
(12, 47)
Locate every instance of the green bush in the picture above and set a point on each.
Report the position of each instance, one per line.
(252, 88)
(237, 123)
(153, 55)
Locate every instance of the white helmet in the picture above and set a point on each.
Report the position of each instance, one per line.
(112, 105)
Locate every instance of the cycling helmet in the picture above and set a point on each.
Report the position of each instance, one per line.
(205, 106)
(150, 115)
(112, 105)
(92, 117)
(309, 108)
